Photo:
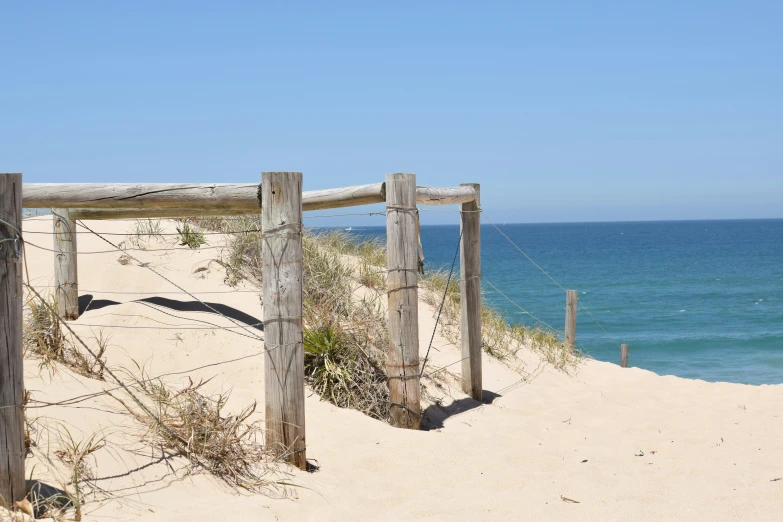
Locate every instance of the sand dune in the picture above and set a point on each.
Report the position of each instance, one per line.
(624, 444)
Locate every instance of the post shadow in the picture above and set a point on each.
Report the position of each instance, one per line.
(86, 302)
(435, 415)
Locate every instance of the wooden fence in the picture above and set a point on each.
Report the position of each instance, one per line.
(280, 201)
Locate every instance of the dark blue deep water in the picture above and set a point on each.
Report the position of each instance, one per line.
(697, 299)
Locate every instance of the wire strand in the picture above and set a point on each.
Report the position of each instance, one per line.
(523, 252)
(169, 281)
(579, 302)
(541, 321)
(124, 250)
(442, 302)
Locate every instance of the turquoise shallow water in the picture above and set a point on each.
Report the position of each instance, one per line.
(697, 299)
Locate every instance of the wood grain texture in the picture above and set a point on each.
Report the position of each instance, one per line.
(470, 295)
(402, 284)
(281, 223)
(230, 198)
(570, 320)
(12, 450)
(445, 195)
(163, 200)
(344, 197)
(624, 356)
(66, 278)
(157, 213)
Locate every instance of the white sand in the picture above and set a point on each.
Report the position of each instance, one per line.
(710, 451)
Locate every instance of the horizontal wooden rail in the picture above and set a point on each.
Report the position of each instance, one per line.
(444, 196)
(163, 200)
(157, 213)
(200, 196)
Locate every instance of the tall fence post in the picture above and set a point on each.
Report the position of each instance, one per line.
(66, 277)
(470, 295)
(624, 356)
(281, 224)
(12, 450)
(402, 285)
(570, 320)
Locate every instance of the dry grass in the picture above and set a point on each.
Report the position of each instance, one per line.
(500, 338)
(190, 423)
(241, 255)
(74, 453)
(143, 231)
(342, 372)
(345, 336)
(44, 339)
(68, 459)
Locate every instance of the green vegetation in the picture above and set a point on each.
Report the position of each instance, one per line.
(74, 453)
(44, 339)
(345, 330)
(143, 231)
(189, 236)
(241, 254)
(500, 338)
(345, 334)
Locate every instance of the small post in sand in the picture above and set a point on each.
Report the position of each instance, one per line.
(570, 320)
(402, 243)
(66, 278)
(12, 450)
(470, 295)
(624, 356)
(281, 224)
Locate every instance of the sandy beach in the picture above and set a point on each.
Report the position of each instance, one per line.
(601, 443)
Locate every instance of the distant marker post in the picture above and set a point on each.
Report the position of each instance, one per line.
(570, 320)
(624, 355)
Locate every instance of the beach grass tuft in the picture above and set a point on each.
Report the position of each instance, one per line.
(188, 422)
(500, 338)
(44, 339)
(190, 236)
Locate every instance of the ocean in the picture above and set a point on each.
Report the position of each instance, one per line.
(695, 299)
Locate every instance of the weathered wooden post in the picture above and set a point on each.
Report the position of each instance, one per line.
(470, 295)
(570, 320)
(281, 224)
(66, 278)
(402, 285)
(12, 450)
(624, 355)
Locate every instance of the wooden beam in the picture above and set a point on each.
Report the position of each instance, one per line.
(344, 197)
(137, 195)
(624, 355)
(66, 276)
(12, 450)
(446, 196)
(402, 283)
(229, 199)
(281, 223)
(570, 320)
(135, 201)
(470, 295)
(156, 213)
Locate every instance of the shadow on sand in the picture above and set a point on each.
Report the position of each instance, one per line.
(87, 303)
(44, 496)
(434, 416)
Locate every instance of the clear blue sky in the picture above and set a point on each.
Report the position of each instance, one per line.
(563, 111)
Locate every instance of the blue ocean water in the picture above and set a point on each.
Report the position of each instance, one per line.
(696, 299)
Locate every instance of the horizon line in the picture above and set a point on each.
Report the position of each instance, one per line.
(596, 222)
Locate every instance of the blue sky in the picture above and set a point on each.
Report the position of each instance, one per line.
(563, 111)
